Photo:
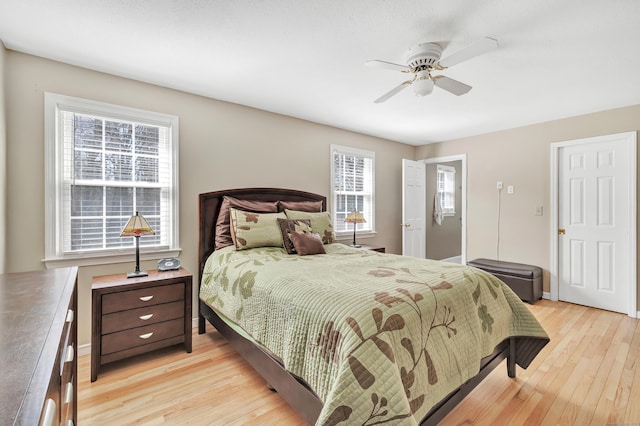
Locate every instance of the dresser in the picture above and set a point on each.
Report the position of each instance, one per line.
(38, 347)
(132, 316)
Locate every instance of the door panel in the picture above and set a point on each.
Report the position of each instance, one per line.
(593, 194)
(414, 208)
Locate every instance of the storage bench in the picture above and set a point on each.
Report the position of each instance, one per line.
(524, 280)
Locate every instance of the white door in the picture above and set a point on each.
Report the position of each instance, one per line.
(594, 223)
(414, 208)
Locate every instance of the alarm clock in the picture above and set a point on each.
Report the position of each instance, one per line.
(168, 264)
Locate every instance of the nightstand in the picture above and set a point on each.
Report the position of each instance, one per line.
(132, 316)
(372, 247)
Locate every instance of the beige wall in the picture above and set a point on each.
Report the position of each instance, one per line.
(222, 146)
(3, 161)
(520, 157)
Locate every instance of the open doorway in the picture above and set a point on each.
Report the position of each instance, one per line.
(445, 225)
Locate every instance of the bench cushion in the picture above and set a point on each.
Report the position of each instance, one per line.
(507, 268)
(524, 280)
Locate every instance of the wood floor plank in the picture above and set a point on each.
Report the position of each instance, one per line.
(570, 369)
(633, 408)
(588, 374)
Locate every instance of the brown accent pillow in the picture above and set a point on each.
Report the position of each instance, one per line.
(307, 243)
(223, 223)
(301, 206)
(287, 226)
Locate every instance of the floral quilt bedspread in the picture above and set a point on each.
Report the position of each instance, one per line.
(380, 338)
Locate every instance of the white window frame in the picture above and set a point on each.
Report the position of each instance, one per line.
(367, 229)
(446, 174)
(55, 256)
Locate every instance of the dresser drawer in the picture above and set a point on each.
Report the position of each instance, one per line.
(133, 299)
(127, 339)
(148, 315)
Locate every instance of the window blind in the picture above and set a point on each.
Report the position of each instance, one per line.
(115, 168)
(352, 187)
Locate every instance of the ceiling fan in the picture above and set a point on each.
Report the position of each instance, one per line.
(424, 59)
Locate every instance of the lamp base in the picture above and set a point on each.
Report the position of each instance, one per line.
(136, 274)
(355, 245)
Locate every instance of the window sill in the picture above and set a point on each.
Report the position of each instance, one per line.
(105, 259)
(348, 236)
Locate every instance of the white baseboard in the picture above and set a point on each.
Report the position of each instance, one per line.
(84, 349)
(547, 295)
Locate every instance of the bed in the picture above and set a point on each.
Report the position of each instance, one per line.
(354, 336)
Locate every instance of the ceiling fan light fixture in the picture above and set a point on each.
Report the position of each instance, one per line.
(423, 59)
(423, 85)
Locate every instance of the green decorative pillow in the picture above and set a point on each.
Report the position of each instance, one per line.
(320, 223)
(223, 223)
(287, 226)
(251, 230)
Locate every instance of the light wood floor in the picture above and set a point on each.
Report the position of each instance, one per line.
(588, 374)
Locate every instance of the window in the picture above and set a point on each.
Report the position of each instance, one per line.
(446, 181)
(352, 189)
(103, 163)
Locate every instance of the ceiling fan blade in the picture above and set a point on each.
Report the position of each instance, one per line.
(479, 47)
(393, 92)
(388, 65)
(451, 85)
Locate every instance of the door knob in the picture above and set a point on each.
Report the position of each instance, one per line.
(561, 231)
(406, 225)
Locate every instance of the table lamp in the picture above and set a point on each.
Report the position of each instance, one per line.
(136, 227)
(355, 218)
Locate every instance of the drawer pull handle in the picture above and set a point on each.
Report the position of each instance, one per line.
(69, 393)
(146, 336)
(70, 315)
(70, 354)
(146, 317)
(146, 298)
(49, 416)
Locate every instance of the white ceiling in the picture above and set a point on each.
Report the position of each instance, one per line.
(302, 58)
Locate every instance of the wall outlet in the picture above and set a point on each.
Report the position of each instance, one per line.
(499, 184)
(510, 189)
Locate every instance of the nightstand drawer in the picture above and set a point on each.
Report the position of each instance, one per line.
(133, 299)
(127, 339)
(148, 315)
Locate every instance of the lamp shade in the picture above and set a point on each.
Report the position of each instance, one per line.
(355, 217)
(137, 226)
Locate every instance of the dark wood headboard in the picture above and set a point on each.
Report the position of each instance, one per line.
(210, 208)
